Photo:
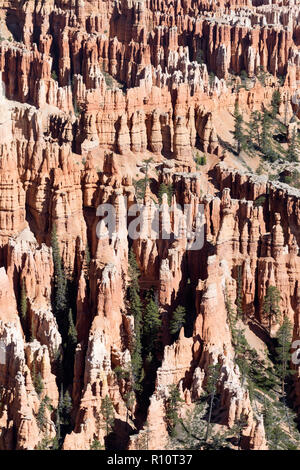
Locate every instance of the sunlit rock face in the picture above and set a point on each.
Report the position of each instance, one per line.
(95, 97)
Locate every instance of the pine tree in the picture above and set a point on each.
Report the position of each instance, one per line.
(177, 320)
(266, 137)
(108, 413)
(96, 445)
(165, 189)
(292, 151)
(60, 286)
(284, 338)
(129, 399)
(64, 413)
(172, 407)
(141, 185)
(275, 103)
(211, 390)
(253, 131)
(136, 311)
(271, 305)
(152, 327)
(192, 432)
(41, 416)
(238, 133)
(38, 382)
(72, 332)
(239, 426)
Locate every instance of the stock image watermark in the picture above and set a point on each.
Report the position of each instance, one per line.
(154, 221)
(2, 352)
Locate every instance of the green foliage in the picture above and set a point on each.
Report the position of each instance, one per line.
(293, 179)
(271, 305)
(108, 79)
(260, 201)
(41, 418)
(121, 373)
(141, 185)
(129, 399)
(280, 427)
(252, 369)
(266, 137)
(191, 432)
(284, 339)
(200, 56)
(47, 443)
(135, 306)
(211, 78)
(60, 287)
(108, 414)
(293, 148)
(165, 189)
(72, 332)
(261, 75)
(213, 375)
(253, 138)
(152, 328)
(37, 382)
(239, 426)
(54, 75)
(96, 445)
(275, 103)
(200, 160)
(77, 108)
(238, 133)
(172, 406)
(177, 320)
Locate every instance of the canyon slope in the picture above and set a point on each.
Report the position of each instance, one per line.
(97, 97)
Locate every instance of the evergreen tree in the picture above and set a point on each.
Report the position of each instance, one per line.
(136, 311)
(238, 133)
(64, 413)
(211, 390)
(72, 332)
(37, 382)
(129, 399)
(275, 103)
(152, 327)
(284, 338)
(41, 415)
(141, 185)
(108, 414)
(292, 151)
(60, 286)
(271, 305)
(266, 137)
(165, 189)
(172, 407)
(253, 131)
(96, 445)
(191, 434)
(239, 426)
(177, 320)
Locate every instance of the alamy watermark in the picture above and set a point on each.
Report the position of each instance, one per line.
(153, 221)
